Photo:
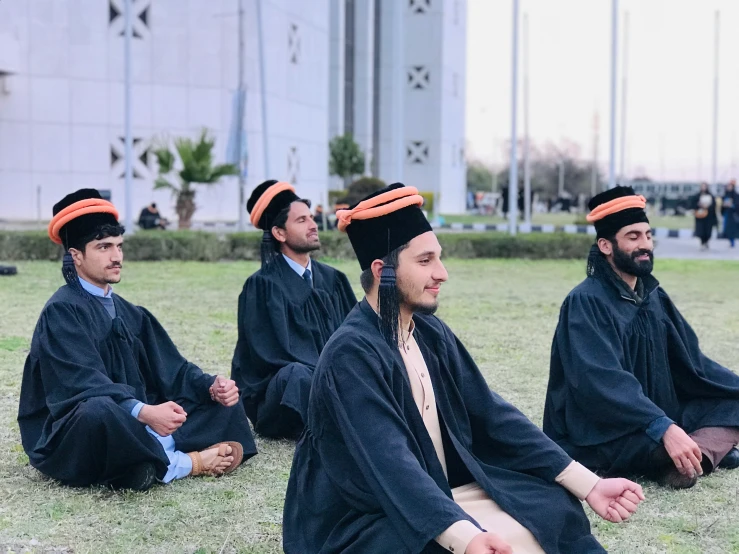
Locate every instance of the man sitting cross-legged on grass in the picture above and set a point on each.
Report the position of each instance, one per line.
(106, 397)
(406, 449)
(629, 389)
(287, 311)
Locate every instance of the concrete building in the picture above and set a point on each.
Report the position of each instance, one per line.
(365, 45)
(62, 95)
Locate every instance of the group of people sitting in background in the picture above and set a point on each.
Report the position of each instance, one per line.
(401, 445)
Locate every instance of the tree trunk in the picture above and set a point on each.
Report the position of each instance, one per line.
(185, 208)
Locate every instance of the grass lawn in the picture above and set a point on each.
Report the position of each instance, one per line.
(669, 222)
(504, 311)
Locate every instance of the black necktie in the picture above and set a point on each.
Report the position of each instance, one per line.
(307, 277)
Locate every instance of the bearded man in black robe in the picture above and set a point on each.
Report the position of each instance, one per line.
(406, 449)
(287, 312)
(630, 390)
(106, 398)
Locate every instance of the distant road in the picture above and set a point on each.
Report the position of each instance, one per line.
(689, 249)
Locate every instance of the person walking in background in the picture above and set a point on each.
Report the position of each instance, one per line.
(704, 204)
(729, 206)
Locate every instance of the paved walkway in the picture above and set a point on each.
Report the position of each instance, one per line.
(689, 249)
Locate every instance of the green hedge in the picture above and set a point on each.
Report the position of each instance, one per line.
(208, 247)
(28, 245)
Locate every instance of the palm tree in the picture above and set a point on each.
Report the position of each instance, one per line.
(196, 157)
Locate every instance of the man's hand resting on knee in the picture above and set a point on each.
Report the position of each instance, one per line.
(615, 499)
(685, 453)
(164, 419)
(224, 391)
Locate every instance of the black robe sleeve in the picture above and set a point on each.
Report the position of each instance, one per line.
(270, 342)
(501, 435)
(588, 342)
(344, 294)
(371, 461)
(176, 379)
(71, 367)
(280, 323)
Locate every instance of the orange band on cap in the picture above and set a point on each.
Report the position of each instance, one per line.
(382, 204)
(266, 198)
(73, 211)
(616, 205)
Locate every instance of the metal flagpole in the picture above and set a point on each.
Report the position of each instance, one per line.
(624, 83)
(263, 92)
(513, 172)
(714, 164)
(128, 138)
(594, 172)
(614, 72)
(527, 144)
(240, 121)
(398, 128)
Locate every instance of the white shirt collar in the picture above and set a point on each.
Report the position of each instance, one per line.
(95, 291)
(297, 268)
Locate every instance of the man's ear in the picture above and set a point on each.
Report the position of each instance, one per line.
(376, 268)
(279, 234)
(605, 246)
(77, 255)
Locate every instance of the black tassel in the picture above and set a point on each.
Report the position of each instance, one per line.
(267, 248)
(69, 272)
(389, 306)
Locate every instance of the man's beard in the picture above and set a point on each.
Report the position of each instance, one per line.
(627, 263)
(415, 307)
(303, 247)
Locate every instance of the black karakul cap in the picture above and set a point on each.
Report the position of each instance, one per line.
(614, 209)
(84, 225)
(396, 219)
(263, 217)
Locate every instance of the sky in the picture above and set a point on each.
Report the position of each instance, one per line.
(670, 82)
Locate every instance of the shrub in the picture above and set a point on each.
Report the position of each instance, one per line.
(362, 187)
(28, 245)
(200, 246)
(208, 247)
(428, 202)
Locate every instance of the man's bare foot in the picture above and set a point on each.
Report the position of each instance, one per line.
(213, 461)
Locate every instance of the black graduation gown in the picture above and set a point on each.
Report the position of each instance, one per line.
(365, 476)
(617, 366)
(84, 372)
(730, 213)
(704, 226)
(283, 325)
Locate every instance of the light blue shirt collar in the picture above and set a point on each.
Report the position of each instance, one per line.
(296, 267)
(95, 291)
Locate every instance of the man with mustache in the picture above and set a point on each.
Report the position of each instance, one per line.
(406, 449)
(106, 398)
(287, 312)
(630, 390)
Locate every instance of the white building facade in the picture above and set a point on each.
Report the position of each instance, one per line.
(62, 95)
(431, 133)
